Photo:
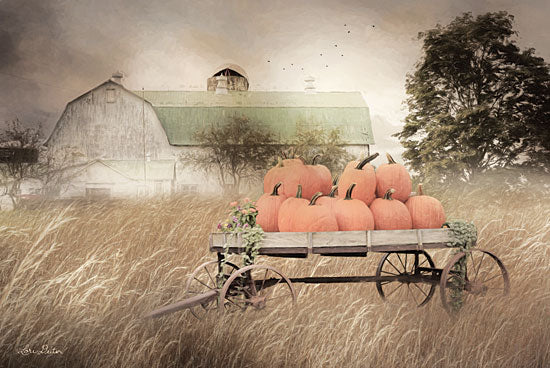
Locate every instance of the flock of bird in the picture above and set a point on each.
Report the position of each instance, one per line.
(292, 67)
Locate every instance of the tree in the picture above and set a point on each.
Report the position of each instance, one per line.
(236, 150)
(50, 170)
(476, 101)
(327, 144)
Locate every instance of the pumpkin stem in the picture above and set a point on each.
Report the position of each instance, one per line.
(299, 191)
(335, 180)
(279, 161)
(419, 190)
(276, 189)
(366, 161)
(388, 194)
(348, 192)
(390, 159)
(333, 191)
(301, 159)
(315, 158)
(314, 198)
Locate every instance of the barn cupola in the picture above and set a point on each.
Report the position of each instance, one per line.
(228, 77)
(117, 77)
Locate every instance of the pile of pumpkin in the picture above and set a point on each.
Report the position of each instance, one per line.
(303, 198)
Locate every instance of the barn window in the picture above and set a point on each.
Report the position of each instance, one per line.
(111, 95)
(98, 193)
(158, 187)
(188, 188)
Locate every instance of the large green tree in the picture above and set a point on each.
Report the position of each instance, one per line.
(476, 101)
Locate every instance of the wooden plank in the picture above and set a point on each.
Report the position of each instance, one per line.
(380, 237)
(340, 241)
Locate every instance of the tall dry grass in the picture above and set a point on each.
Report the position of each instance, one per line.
(78, 278)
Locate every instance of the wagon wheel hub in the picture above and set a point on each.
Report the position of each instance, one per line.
(476, 288)
(257, 301)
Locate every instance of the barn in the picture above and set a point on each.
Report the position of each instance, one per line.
(130, 141)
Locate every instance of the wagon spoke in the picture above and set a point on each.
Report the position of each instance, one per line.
(394, 290)
(412, 294)
(473, 261)
(406, 262)
(389, 273)
(210, 276)
(265, 277)
(270, 291)
(492, 278)
(399, 272)
(203, 283)
(424, 261)
(236, 304)
(400, 260)
(479, 266)
(419, 288)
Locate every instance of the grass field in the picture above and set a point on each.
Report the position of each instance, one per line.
(78, 278)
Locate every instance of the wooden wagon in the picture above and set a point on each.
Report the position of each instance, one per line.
(405, 269)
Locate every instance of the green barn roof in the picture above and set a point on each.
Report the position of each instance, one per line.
(183, 113)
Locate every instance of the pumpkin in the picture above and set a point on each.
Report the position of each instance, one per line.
(426, 212)
(396, 176)
(277, 173)
(313, 217)
(291, 172)
(268, 209)
(352, 214)
(390, 214)
(323, 174)
(329, 199)
(288, 208)
(361, 173)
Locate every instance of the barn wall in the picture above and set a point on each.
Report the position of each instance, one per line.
(108, 123)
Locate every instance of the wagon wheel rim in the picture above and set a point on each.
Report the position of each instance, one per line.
(409, 267)
(205, 278)
(485, 277)
(254, 287)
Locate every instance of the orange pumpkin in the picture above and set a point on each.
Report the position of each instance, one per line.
(396, 176)
(268, 209)
(352, 214)
(426, 212)
(362, 173)
(323, 174)
(390, 214)
(329, 199)
(313, 217)
(287, 211)
(277, 173)
(292, 172)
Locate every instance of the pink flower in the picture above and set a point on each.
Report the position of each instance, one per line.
(233, 204)
(252, 210)
(246, 200)
(244, 212)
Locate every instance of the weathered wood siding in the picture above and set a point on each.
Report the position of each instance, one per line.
(108, 123)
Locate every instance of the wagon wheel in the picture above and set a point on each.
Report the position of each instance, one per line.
(483, 275)
(254, 286)
(205, 278)
(409, 272)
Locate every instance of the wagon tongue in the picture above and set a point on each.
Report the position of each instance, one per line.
(187, 303)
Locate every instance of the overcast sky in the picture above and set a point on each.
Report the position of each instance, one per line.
(51, 51)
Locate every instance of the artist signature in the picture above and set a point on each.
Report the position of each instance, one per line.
(46, 350)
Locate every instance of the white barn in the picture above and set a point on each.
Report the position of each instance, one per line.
(130, 141)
